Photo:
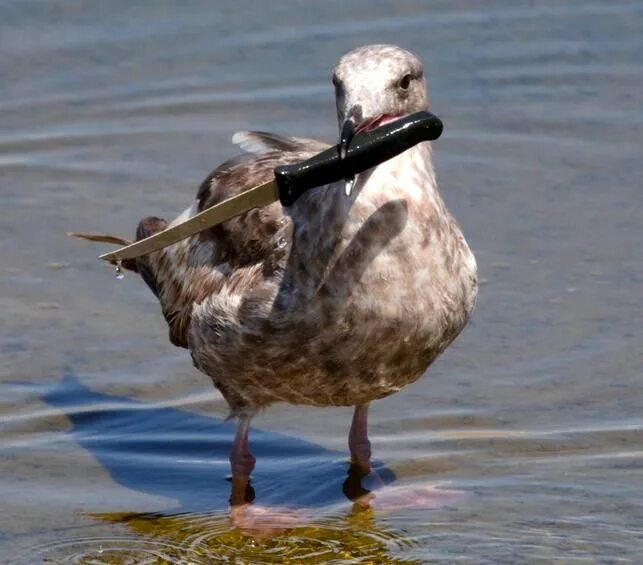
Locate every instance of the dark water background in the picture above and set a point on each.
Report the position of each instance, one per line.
(110, 111)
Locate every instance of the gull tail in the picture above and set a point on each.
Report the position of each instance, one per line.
(106, 238)
(101, 238)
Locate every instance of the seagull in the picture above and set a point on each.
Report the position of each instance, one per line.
(343, 298)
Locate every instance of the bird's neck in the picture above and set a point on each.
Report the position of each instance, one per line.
(407, 180)
(387, 200)
(409, 176)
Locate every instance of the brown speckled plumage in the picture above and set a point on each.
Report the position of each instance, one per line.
(337, 300)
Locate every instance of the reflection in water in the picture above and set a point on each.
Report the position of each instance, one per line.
(211, 538)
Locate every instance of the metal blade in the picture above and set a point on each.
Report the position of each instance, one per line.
(256, 197)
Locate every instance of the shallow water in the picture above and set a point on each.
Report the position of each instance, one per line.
(114, 449)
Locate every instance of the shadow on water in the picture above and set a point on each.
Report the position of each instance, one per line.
(182, 455)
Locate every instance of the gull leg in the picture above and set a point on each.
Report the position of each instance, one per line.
(391, 497)
(358, 443)
(256, 520)
(242, 462)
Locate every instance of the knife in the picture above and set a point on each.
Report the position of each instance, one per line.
(366, 150)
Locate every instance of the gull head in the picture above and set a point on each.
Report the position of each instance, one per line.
(375, 84)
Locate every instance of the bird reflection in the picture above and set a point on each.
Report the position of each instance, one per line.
(215, 538)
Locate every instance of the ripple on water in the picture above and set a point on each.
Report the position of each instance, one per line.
(95, 550)
(213, 538)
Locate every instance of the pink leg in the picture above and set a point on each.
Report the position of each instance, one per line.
(358, 442)
(390, 497)
(396, 497)
(242, 462)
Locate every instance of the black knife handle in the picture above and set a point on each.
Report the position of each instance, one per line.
(366, 150)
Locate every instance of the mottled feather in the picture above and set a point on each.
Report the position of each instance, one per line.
(335, 300)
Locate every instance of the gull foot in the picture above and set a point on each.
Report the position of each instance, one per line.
(409, 497)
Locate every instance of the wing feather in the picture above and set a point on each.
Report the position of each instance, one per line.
(260, 142)
(236, 256)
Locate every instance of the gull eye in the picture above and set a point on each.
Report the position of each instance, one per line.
(336, 81)
(405, 82)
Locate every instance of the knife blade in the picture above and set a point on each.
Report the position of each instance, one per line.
(256, 197)
(367, 150)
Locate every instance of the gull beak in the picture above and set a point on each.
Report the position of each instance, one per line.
(355, 123)
(347, 133)
(345, 137)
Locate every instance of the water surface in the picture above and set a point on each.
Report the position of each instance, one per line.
(114, 449)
